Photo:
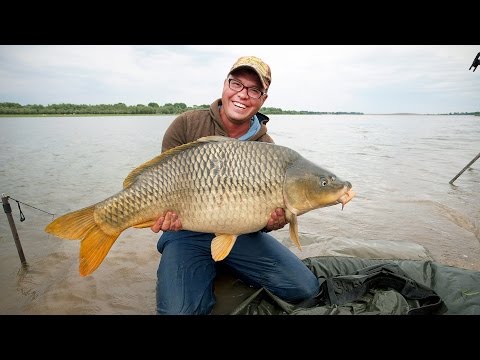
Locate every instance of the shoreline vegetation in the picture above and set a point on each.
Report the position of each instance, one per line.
(15, 109)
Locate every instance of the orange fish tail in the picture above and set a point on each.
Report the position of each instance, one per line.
(81, 225)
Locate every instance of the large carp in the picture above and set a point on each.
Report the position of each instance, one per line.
(216, 185)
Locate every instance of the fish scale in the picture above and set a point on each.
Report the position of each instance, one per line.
(247, 172)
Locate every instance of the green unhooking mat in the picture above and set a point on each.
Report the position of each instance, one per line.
(356, 286)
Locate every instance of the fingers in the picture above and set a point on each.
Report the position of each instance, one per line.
(170, 218)
(172, 222)
(167, 222)
(158, 225)
(280, 213)
(277, 220)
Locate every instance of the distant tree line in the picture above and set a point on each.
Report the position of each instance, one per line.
(476, 113)
(9, 108)
(278, 111)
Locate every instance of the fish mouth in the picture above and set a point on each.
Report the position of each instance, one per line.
(345, 198)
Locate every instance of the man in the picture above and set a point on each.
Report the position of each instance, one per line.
(185, 276)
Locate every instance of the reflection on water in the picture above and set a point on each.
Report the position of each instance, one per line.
(399, 166)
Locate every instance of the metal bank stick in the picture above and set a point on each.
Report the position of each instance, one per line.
(8, 211)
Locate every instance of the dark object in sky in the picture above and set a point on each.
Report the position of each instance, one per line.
(475, 63)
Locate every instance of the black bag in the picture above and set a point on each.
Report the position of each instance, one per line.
(341, 290)
(382, 289)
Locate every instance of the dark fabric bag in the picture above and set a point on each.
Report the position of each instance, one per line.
(341, 290)
(382, 289)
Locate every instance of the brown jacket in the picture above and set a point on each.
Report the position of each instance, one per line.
(194, 124)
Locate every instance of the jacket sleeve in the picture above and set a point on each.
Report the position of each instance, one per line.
(266, 138)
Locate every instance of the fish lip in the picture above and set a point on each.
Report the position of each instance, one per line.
(347, 196)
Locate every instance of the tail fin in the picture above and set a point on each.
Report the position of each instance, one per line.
(81, 225)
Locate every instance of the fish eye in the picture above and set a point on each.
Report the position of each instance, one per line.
(323, 181)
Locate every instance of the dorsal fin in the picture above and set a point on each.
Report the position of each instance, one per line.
(214, 138)
(166, 154)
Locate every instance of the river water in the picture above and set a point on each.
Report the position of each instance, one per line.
(399, 165)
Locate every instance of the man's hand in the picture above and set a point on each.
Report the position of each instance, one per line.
(167, 222)
(277, 220)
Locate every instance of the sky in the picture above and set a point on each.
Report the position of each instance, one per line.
(371, 79)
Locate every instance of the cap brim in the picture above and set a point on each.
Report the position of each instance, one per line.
(265, 86)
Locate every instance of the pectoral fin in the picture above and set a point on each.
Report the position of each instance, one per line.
(293, 224)
(221, 245)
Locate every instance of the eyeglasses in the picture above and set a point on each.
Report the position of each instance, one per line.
(237, 86)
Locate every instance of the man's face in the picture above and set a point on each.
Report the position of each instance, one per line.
(238, 105)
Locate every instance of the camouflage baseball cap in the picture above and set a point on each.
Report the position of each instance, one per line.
(256, 64)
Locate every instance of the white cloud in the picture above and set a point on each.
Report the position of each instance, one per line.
(370, 79)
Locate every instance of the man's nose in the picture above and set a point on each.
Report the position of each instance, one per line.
(243, 93)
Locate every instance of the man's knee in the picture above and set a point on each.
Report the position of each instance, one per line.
(306, 288)
(309, 289)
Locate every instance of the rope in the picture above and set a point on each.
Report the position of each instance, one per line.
(22, 217)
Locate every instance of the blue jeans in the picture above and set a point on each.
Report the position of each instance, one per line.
(185, 276)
